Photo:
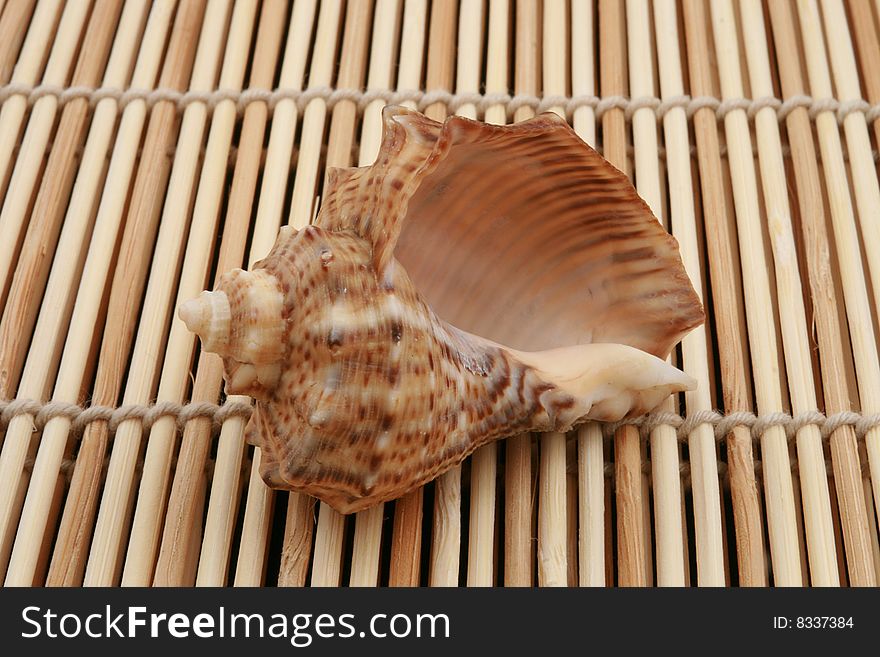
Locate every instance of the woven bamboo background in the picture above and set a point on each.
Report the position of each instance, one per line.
(145, 146)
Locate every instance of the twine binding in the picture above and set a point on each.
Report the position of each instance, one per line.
(758, 425)
(481, 101)
(41, 413)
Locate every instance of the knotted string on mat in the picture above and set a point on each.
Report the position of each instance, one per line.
(453, 101)
(722, 425)
(41, 412)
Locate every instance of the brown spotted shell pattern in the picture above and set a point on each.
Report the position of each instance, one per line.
(475, 282)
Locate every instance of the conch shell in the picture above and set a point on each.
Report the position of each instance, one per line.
(476, 282)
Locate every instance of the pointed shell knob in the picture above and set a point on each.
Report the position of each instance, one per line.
(208, 315)
(242, 319)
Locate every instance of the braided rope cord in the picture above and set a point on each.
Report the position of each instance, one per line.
(453, 101)
(79, 416)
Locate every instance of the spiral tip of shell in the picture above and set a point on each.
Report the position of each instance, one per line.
(191, 312)
(208, 316)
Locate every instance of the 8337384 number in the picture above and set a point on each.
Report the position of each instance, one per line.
(823, 622)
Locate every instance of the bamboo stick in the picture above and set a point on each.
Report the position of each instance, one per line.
(191, 558)
(672, 404)
(415, 23)
(366, 546)
(811, 460)
(631, 554)
(868, 45)
(45, 549)
(858, 310)
(644, 121)
(185, 509)
(612, 78)
(260, 498)
(298, 541)
(74, 533)
(571, 509)
(14, 17)
(28, 163)
(647, 522)
(329, 539)
(44, 222)
(715, 386)
(701, 442)
(727, 298)
(314, 116)
(441, 61)
(872, 523)
(863, 173)
(583, 60)
(877, 7)
(608, 485)
(33, 269)
(552, 538)
(845, 458)
(664, 441)
(861, 161)
(147, 523)
(484, 463)
(105, 557)
(30, 64)
(446, 534)
(382, 63)
(42, 558)
(686, 482)
(470, 48)
(591, 480)
(518, 565)
(591, 475)
(781, 513)
(838, 532)
(799, 509)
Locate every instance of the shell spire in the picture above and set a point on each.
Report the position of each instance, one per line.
(473, 283)
(242, 322)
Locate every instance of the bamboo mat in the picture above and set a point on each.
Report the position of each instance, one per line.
(146, 147)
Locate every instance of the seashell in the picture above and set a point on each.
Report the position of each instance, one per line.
(475, 282)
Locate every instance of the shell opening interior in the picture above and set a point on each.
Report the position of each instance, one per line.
(532, 240)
